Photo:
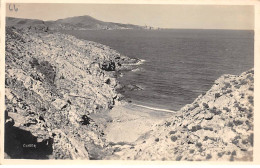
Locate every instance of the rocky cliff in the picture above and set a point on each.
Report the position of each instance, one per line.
(53, 83)
(217, 126)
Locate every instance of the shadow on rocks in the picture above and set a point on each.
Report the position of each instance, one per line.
(21, 144)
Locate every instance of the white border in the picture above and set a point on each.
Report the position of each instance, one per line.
(111, 162)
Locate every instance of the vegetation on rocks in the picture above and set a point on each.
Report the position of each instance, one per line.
(53, 83)
(217, 126)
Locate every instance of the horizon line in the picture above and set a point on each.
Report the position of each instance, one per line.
(133, 24)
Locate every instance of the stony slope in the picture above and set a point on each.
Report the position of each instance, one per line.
(217, 126)
(53, 82)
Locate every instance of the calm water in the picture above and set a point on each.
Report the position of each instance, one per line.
(180, 64)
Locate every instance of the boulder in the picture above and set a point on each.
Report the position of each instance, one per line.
(108, 66)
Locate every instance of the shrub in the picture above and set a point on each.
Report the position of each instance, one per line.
(237, 86)
(251, 99)
(108, 81)
(34, 62)
(242, 95)
(208, 156)
(250, 115)
(215, 111)
(45, 68)
(230, 124)
(220, 154)
(205, 138)
(195, 128)
(234, 153)
(227, 109)
(236, 140)
(227, 85)
(173, 138)
(178, 158)
(231, 158)
(208, 128)
(192, 151)
(199, 144)
(243, 82)
(196, 105)
(251, 139)
(217, 95)
(229, 91)
(193, 107)
(85, 120)
(218, 112)
(237, 122)
(244, 142)
(108, 66)
(172, 132)
(167, 124)
(205, 105)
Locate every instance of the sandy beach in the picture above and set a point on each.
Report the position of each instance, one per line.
(130, 122)
(63, 96)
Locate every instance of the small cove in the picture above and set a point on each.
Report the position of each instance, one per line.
(179, 64)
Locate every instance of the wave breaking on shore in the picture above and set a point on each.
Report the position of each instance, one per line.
(217, 126)
(53, 88)
(153, 108)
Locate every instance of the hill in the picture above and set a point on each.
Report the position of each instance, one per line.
(72, 23)
(20, 23)
(59, 90)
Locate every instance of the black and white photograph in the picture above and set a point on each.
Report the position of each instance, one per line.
(134, 82)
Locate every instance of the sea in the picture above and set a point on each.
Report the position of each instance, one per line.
(178, 65)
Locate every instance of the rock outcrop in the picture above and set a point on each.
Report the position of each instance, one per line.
(53, 83)
(217, 126)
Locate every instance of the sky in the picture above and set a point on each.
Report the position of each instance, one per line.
(163, 16)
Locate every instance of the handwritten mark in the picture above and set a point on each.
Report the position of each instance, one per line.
(29, 145)
(12, 8)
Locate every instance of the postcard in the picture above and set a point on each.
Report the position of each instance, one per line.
(157, 81)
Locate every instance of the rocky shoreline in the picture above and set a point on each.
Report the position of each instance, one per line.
(60, 91)
(217, 126)
(53, 83)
